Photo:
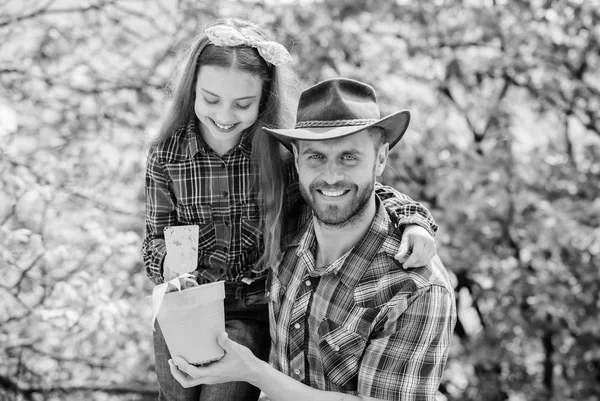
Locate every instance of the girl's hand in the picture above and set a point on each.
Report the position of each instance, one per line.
(168, 273)
(422, 244)
(238, 364)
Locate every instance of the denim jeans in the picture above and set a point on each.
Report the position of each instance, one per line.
(247, 323)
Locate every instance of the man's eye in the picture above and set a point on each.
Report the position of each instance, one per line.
(349, 158)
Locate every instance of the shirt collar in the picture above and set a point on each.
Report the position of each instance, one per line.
(353, 267)
(197, 145)
(245, 144)
(193, 138)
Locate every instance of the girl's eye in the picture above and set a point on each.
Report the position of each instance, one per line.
(210, 102)
(244, 107)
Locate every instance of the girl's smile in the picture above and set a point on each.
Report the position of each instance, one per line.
(224, 128)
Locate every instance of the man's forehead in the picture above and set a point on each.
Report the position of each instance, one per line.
(357, 141)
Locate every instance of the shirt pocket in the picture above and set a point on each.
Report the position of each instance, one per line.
(189, 186)
(250, 227)
(200, 215)
(341, 350)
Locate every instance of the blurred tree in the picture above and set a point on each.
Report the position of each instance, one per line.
(504, 148)
(82, 80)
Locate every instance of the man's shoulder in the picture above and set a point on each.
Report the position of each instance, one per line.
(433, 273)
(387, 278)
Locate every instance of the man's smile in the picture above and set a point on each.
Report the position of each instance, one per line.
(332, 194)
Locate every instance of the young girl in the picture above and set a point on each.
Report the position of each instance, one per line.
(203, 169)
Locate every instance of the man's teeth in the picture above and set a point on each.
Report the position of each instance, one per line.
(333, 193)
(224, 127)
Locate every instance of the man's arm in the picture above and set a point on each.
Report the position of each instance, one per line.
(240, 364)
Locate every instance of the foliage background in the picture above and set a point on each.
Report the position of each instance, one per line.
(504, 148)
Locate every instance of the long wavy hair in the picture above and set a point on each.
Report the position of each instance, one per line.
(277, 110)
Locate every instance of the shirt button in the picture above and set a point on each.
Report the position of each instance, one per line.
(297, 326)
(307, 282)
(268, 294)
(225, 194)
(297, 371)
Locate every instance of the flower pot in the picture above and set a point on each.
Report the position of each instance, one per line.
(190, 321)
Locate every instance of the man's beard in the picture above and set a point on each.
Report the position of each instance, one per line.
(338, 215)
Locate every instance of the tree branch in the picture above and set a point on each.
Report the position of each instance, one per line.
(100, 204)
(143, 389)
(47, 11)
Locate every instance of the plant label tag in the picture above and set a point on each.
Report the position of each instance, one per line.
(182, 248)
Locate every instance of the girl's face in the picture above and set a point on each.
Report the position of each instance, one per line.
(227, 102)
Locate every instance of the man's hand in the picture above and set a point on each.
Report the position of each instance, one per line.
(238, 364)
(422, 244)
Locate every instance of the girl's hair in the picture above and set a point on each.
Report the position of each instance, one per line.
(276, 111)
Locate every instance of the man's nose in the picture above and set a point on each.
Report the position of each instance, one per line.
(332, 173)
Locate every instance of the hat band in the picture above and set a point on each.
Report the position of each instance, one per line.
(334, 123)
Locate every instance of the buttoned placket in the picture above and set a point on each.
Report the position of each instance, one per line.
(220, 191)
(297, 328)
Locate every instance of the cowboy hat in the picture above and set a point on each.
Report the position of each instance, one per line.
(339, 107)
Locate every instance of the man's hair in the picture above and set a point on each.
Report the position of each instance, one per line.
(378, 135)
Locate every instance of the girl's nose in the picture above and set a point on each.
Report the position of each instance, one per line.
(225, 116)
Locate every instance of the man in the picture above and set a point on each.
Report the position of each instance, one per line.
(347, 321)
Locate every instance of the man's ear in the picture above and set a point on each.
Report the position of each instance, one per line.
(382, 156)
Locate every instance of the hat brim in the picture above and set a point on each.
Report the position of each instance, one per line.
(394, 125)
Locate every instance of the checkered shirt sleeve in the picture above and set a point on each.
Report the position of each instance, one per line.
(405, 211)
(160, 212)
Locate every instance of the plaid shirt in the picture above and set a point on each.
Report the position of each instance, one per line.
(188, 183)
(364, 326)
